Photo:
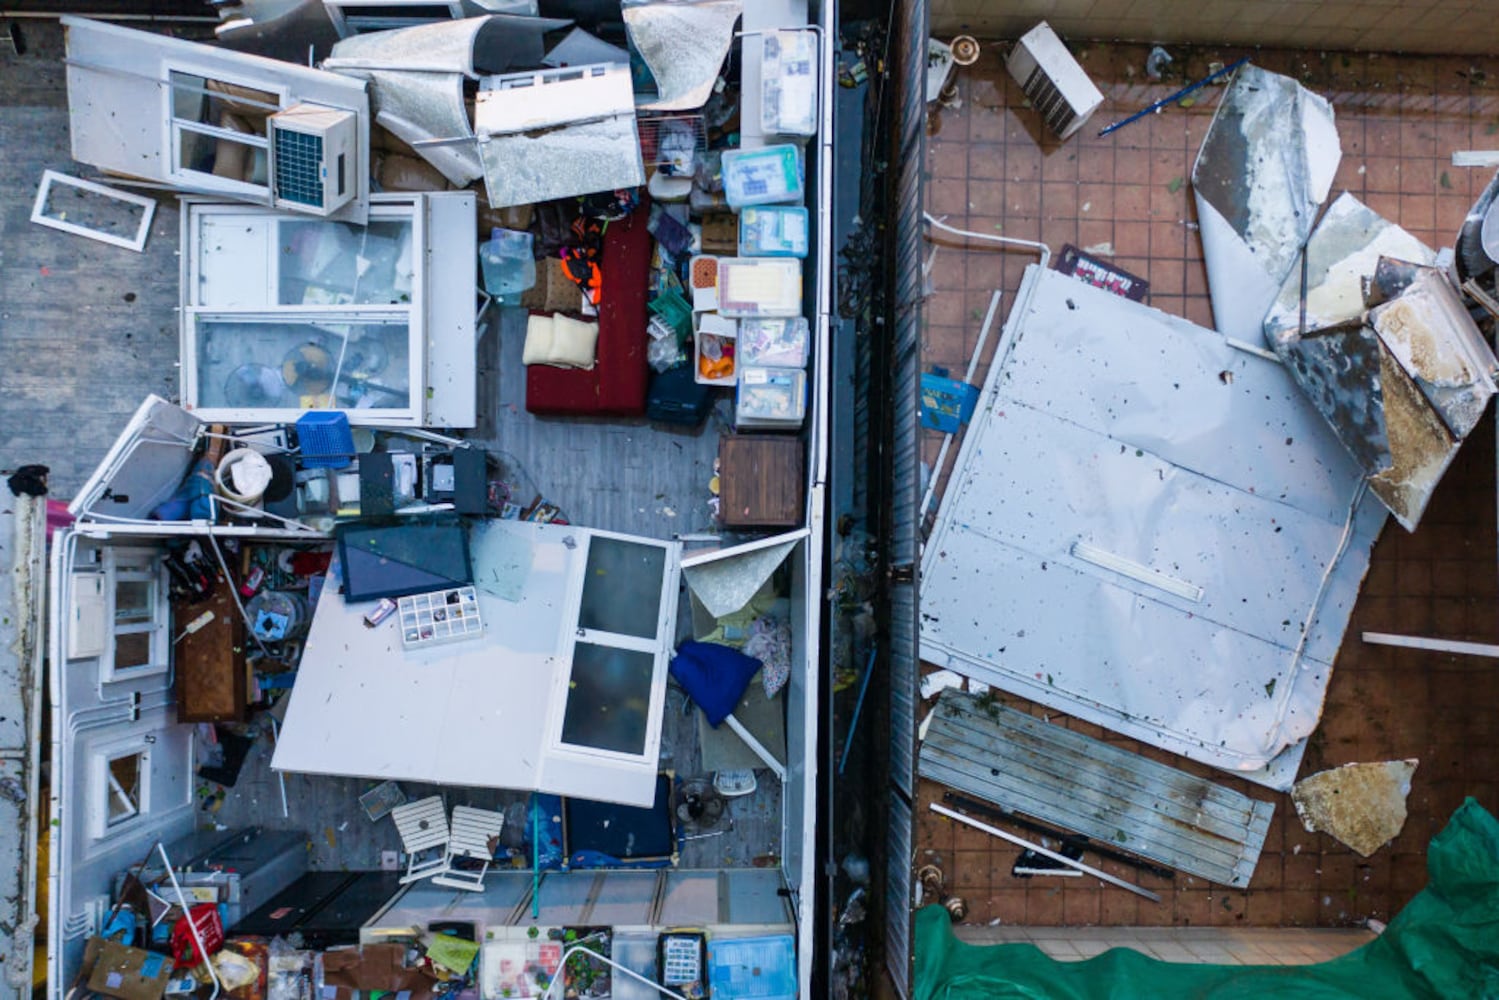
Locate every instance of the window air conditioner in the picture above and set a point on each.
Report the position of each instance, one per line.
(313, 158)
(1053, 81)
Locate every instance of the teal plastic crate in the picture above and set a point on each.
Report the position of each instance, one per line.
(761, 968)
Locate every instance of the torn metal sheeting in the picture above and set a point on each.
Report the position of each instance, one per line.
(579, 48)
(724, 581)
(1360, 805)
(1472, 250)
(558, 133)
(1341, 254)
(474, 46)
(527, 167)
(102, 223)
(426, 111)
(1429, 331)
(684, 45)
(1066, 779)
(1265, 165)
(1153, 440)
(1338, 368)
(296, 32)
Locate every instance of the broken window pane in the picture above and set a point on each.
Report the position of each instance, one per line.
(89, 209)
(609, 697)
(133, 602)
(124, 787)
(336, 263)
(255, 363)
(622, 588)
(132, 649)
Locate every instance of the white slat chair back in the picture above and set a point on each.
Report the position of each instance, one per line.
(472, 830)
(423, 826)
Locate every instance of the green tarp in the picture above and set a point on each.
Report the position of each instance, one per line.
(1445, 943)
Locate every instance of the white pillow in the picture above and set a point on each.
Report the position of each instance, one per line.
(560, 341)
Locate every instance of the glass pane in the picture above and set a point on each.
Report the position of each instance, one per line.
(132, 649)
(287, 364)
(205, 101)
(222, 157)
(337, 263)
(124, 787)
(133, 602)
(622, 588)
(609, 699)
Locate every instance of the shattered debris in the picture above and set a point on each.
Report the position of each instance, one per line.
(1361, 805)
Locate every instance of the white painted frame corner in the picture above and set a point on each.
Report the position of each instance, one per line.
(50, 177)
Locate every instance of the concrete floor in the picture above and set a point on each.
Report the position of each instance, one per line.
(991, 170)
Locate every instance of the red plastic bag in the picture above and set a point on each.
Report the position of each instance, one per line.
(205, 917)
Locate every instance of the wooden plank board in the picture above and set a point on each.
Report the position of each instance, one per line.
(1081, 784)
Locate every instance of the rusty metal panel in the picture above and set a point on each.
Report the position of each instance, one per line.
(1025, 765)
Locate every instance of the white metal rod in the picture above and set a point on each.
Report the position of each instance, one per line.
(1475, 158)
(937, 807)
(973, 365)
(1432, 645)
(192, 925)
(756, 746)
(578, 948)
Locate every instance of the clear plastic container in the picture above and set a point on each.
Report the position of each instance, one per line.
(508, 265)
(766, 175)
(775, 343)
(773, 231)
(771, 398)
(788, 87)
(750, 287)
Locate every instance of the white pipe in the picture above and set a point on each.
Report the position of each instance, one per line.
(1432, 645)
(575, 949)
(756, 746)
(1021, 842)
(973, 364)
(187, 913)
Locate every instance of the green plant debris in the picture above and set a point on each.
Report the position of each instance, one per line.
(1121, 836)
(1445, 180)
(1175, 185)
(1186, 102)
(1270, 688)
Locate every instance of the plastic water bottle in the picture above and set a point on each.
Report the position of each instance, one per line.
(508, 266)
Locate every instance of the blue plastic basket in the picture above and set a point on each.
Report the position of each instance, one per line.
(325, 439)
(762, 968)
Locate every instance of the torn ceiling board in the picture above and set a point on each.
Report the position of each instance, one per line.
(473, 46)
(1361, 805)
(1266, 164)
(527, 167)
(684, 45)
(1338, 368)
(1429, 331)
(1181, 465)
(1343, 251)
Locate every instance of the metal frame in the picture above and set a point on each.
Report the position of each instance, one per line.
(147, 205)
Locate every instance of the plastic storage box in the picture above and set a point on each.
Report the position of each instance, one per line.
(715, 333)
(774, 343)
(750, 287)
(773, 231)
(766, 175)
(762, 968)
(788, 83)
(770, 398)
(439, 616)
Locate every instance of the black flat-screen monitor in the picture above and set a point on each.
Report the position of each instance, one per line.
(396, 560)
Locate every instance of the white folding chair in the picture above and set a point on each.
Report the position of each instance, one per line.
(472, 830)
(423, 827)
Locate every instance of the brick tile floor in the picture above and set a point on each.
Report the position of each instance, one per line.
(992, 170)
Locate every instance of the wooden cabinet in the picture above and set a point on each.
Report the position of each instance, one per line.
(762, 481)
(210, 663)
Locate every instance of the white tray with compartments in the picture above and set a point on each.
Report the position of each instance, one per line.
(440, 616)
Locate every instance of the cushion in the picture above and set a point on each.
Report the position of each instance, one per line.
(560, 341)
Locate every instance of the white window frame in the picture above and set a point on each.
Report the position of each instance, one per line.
(413, 312)
(353, 17)
(660, 646)
(106, 789)
(136, 565)
(175, 127)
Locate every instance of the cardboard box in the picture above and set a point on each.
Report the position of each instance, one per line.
(130, 973)
(374, 967)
